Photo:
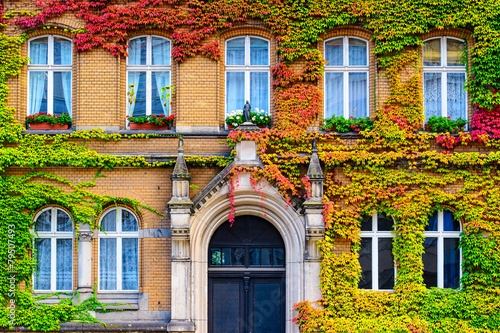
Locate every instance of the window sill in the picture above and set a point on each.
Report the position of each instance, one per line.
(127, 300)
(53, 299)
(50, 132)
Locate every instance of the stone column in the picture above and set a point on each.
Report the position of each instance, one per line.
(85, 236)
(315, 227)
(180, 213)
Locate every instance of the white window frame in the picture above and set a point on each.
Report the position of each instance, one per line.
(374, 235)
(118, 235)
(247, 68)
(149, 68)
(346, 69)
(54, 235)
(50, 68)
(443, 70)
(441, 235)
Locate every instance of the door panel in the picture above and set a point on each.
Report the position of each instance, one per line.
(267, 306)
(226, 305)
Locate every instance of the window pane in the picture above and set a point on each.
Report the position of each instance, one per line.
(64, 221)
(64, 269)
(259, 90)
(137, 51)
(62, 51)
(366, 223)
(215, 255)
(161, 51)
(334, 53)
(266, 257)
(433, 223)
(129, 222)
(38, 92)
(226, 257)
(39, 51)
(454, 50)
(449, 223)
(432, 52)
(358, 94)
(365, 260)
(385, 264)
(138, 106)
(62, 93)
(259, 52)
(235, 91)
(384, 222)
(357, 52)
(108, 222)
(160, 105)
(42, 273)
(429, 258)
(43, 222)
(278, 257)
(254, 256)
(130, 264)
(239, 256)
(451, 263)
(457, 102)
(235, 53)
(432, 95)
(107, 262)
(334, 95)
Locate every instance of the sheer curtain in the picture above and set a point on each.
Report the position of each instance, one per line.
(432, 95)
(357, 52)
(235, 53)
(259, 52)
(137, 51)
(235, 90)
(66, 84)
(162, 79)
(38, 86)
(107, 262)
(62, 51)
(39, 49)
(43, 260)
(133, 78)
(334, 94)
(334, 52)
(130, 263)
(259, 90)
(358, 91)
(456, 95)
(160, 51)
(64, 268)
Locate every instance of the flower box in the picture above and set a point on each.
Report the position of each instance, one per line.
(47, 126)
(148, 126)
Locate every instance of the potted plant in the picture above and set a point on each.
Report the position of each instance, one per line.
(44, 121)
(445, 124)
(151, 122)
(343, 125)
(260, 118)
(234, 119)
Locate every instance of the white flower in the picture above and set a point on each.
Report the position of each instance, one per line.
(262, 111)
(238, 117)
(256, 109)
(253, 118)
(261, 117)
(240, 112)
(230, 117)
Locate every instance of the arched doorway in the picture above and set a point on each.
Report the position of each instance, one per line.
(246, 278)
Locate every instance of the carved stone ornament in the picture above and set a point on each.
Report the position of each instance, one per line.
(85, 236)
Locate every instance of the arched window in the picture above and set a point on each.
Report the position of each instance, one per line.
(54, 250)
(49, 75)
(346, 77)
(148, 69)
(375, 255)
(444, 78)
(247, 73)
(119, 250)
(442, 258)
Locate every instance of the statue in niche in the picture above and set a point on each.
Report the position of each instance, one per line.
(246, 112)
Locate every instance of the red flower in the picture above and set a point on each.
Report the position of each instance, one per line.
(449, 117)
(328, 130)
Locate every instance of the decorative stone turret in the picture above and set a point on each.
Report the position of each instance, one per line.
(180, 213)
(315, 227)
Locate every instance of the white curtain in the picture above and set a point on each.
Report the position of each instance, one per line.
(38, 87)
(107, 262)
(259, 52)
(162, 79)
(334, 94)
(62, 51)
(63, 222)
(432, 95)
(43, 222)
(133, 78)
(39, 51)
(235, 91)
(64, 268)
(161, 51)
(43, 258)
(358, 94)
(235, 51)
(129, 222)
(130, 263)
(137, 51)
(456, 95)
(357, 52)
(259, 90)
(108, 222)
(66, 84)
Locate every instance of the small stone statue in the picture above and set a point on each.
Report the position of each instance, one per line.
(246, 112)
